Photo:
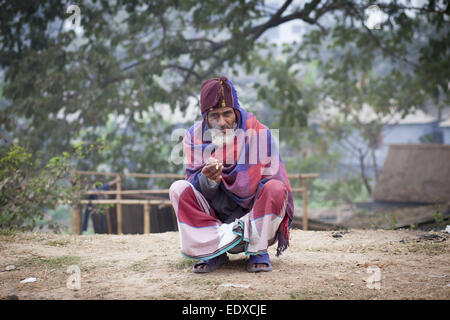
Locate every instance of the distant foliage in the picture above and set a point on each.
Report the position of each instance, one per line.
(28, 189)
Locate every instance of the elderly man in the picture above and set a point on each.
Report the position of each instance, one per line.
(236, 196)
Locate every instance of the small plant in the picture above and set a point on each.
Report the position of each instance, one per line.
(140, 266)
(184, 263)
(232, 295)
(306, 293)
(57, 243)
(438, 216)
(28, 188)
(390, 220)
(393, 221)
(51, 262)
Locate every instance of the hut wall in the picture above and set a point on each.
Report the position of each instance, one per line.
(415, 173)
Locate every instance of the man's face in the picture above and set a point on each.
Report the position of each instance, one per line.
(222, 122)
(221, 118)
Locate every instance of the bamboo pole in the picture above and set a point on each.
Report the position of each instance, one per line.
(95, 173)
(176, 176)
(161, 191)
(76, 219)
(303, 175)
(113, 182)
(119, 206)
(309, 175)
(137, 175)
(155, 175)
(122, 201)
(305, 204)
(108, 220)
(146, 218)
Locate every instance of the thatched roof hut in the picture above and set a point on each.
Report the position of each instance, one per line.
(415, 173)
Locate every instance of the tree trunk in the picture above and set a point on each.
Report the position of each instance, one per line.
(374, 160)
(363, 174)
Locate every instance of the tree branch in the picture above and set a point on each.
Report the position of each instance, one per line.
(360, 17)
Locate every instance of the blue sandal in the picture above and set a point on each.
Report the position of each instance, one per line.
(259, 259)
(212, 264)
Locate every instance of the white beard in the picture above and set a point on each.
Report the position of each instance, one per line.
(220, 139)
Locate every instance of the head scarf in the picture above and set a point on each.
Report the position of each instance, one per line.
(215, 92)
(249, 162)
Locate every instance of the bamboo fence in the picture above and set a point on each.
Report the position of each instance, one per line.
(118, 201)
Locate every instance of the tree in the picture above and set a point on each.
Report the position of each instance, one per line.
(134, 56)
(27, 191)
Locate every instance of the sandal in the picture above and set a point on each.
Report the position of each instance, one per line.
(212, 264)
(259, 259)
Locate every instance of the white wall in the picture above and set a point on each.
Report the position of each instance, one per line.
(446, 134)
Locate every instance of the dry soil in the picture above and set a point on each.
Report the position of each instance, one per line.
(412, 264)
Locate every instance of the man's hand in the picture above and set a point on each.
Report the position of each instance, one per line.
(213, 169)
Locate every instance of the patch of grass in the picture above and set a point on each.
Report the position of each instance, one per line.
(384, 220)
(202, 282)
(393, 221)
(306, 294)
(7, 232)
(57, 243)
(173, 296)
(318, 249)
(102, 295)
(140, 266)
(428, 248)
(212, 282)
(439, 217)
(51, 262)
(232, 295)
(184, 264)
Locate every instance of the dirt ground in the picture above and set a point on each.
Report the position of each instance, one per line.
(413, 264)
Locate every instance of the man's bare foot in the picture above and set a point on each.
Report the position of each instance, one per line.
(259, 262)
(201, 267)
(260, 265)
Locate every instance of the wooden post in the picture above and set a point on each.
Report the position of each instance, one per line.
(305, 204)
(174, 218)
(146, 218)
(108, 221)
(119, 206)
(76, 219)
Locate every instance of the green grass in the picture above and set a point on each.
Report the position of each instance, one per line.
(327, 193)
(232, 295)
(184, 264)
(141, 266)
(428, 248)
(306, 294)
(202, 282)
(7, 232)
(57, 243)
(51, 262)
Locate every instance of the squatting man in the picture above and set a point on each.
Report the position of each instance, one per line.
(236, 196)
